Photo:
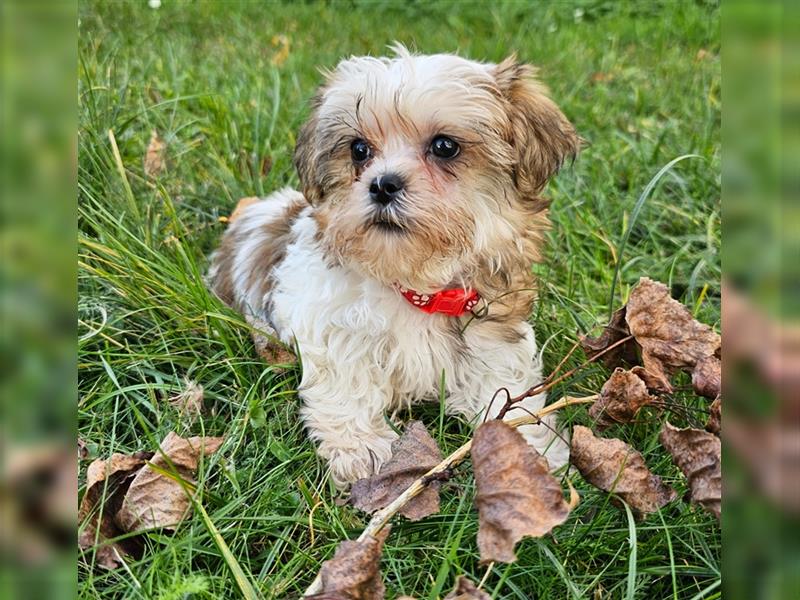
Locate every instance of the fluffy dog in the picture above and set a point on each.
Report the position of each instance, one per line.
(407, 257)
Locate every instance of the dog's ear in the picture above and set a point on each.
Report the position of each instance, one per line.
(541, 135)
(306, 155)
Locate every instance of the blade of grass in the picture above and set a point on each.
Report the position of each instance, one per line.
(242, 581)
(630, 592)
(702, 594)
(562, 572)
(123, 176)
(671, 556)
(637, 208)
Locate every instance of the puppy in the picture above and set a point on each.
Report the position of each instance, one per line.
(406, 259)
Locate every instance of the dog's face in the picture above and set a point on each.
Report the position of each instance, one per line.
(423, 169)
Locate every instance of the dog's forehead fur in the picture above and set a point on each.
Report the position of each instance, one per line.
(413, 96)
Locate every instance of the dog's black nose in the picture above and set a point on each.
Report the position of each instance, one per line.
(386, 188)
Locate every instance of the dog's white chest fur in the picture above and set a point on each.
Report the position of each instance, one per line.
(364, 329)
(365, 350)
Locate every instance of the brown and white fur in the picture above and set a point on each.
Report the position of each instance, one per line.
(323, 273)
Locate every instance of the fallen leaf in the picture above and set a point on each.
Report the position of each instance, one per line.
(670, 338)
(702, 54)
(354, 571)
(189, 403)
(516, 494)
(707, 377)
(615, 331)
(620, 399)
(158, 500)
(268, 345)
(154, 155)
(714, 424)
(697, 454)
(466, 590)
(656, 383)
(96, 512)
(413, 454)
(83, 450)
(613, 466)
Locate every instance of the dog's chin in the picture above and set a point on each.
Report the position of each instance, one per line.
(395, 247)
(388, 227)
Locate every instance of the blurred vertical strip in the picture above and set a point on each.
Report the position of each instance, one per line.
(38, 482)
(761, 300)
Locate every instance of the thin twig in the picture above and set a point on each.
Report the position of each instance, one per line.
(538, 421)
(563, 362)
(486, 575)
(382, 517)
(491, 402)
(548, 384)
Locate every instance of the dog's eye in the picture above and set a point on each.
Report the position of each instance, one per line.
(445, 147)
(360, 151)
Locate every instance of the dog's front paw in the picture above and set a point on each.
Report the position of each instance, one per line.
(352, 459)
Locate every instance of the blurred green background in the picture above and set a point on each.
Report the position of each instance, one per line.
(38, 379)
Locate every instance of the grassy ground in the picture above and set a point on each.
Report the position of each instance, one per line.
(640, 82)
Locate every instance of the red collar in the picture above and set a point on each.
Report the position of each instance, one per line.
(453, 303)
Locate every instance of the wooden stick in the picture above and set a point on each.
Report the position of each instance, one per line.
(380, 518)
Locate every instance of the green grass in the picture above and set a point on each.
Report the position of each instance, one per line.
(631, 79)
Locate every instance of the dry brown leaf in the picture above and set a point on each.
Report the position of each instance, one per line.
(413, 455)
(670, 338)
(707, 377)
(615, 331)
(189, 403)
(96, 514)
(466, 590)
(157, 500)
(83, 450)
(697, 455)
(516, 494)
(268, 345)
(354, 571)
(620, 399)
(656, 383)
(613, 466)
(714, 424)
(154, 155)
